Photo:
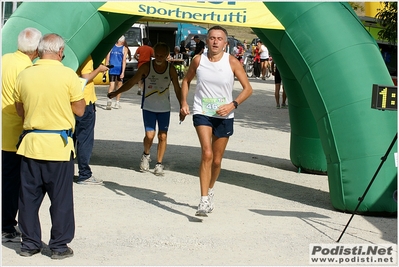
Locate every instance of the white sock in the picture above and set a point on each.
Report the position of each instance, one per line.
(210, 191)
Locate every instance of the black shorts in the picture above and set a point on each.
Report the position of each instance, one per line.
(113, 78)
(277, 77)
(264, 59)
(220, 127)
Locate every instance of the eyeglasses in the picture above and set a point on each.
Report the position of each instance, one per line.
(62, 58)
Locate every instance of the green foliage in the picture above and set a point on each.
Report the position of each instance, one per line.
(357, 6)
(387, 17)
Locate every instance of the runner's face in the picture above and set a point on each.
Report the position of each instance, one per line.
(216, 41)
(160, 56)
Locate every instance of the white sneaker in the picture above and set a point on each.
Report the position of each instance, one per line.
(158, 170)
(211, 203)
(203, 209)
(145, 162)
(109, 104)
(117, 105)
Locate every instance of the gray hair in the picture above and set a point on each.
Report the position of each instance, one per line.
(50, 43)
(28, 40)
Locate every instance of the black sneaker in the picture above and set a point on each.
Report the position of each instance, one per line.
(29, 253)
(11, 237)
(55, 255)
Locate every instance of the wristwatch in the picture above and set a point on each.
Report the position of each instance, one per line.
(235, 103)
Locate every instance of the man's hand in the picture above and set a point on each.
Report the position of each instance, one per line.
(184, 111)
(224, 110)
(102, 68)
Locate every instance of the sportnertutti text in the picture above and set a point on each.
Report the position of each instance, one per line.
(347, 254)
(236, 16)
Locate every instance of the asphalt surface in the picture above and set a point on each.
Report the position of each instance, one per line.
(267, 213)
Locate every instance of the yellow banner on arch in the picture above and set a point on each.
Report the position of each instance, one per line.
(233, 13)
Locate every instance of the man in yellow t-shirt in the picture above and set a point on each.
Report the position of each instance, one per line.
(12, 65)
(84, 131)
(48, 95)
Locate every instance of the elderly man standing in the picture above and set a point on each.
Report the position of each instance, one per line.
(12, 65)
(47, 96)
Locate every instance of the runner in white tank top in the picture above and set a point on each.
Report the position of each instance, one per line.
(213, 108)
(214, 86)
(155, 103)
(156, 90)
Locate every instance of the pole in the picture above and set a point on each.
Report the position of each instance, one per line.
(371, 182)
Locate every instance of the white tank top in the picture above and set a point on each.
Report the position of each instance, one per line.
(265, 53)
(156, 97)
(215, 82)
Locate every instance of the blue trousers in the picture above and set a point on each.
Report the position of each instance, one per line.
(84, 140)
(10, 183)
(55, 178)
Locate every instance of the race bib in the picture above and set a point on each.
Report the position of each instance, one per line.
(210, 105)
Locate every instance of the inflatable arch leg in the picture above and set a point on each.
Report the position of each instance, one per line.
(306, 152)
(336, 61)
(82, 26)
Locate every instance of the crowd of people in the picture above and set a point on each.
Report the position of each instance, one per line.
(47, 123)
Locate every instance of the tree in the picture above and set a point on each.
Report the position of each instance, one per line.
(387, 17)
(358, 7)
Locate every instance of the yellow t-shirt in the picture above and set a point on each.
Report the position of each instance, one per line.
(46, 90)
(89, 90)
(12, 65)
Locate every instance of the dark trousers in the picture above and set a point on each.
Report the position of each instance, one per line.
(257, 69)
(84, 140)
(55, 178)
(10, 183)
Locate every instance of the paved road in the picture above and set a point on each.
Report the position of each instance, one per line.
(266, 212)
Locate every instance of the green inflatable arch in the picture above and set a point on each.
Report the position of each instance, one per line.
(328, 63)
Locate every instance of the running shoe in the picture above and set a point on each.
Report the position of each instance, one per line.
(158, 170)
(211, 203)
(117, 105)
(145, 162)
(109, 104)
(203, 209)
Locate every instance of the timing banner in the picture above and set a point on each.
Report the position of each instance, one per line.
(235, 13)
